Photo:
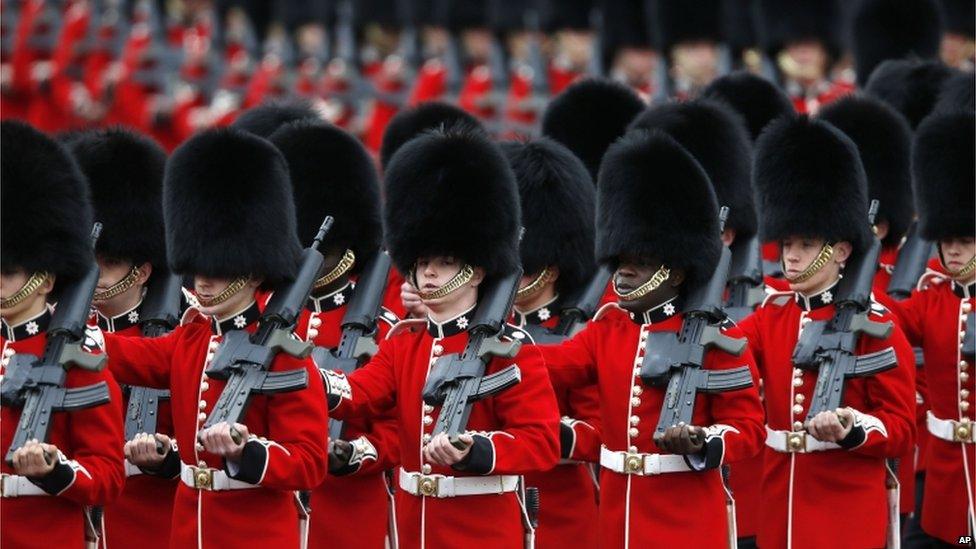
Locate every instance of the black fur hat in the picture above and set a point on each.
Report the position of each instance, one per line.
(557, 199)
(588, 116)
(894, 29)
(716, 136)
(655, 200)
(125, 175)
(45, 213)
(264, 119)
(460, 15)
(738, 26)
(756, 99)
(884, 142)
(332, 174)
(957, 93)
(557, 15)
(809, 181)
(943, 175)
(677, 21)
(623, 25)
(410, 123)
(228, 207)
(910, 86)
(451, 192)
(780, 22)
(960, 17)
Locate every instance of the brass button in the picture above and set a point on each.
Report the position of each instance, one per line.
(201, 417)
(963, 365)
(313, 333)
(438, 350)
(799, 398)
(798, 382)
(797, 372)
(9, 352)
(428, 408)
(633, 432)
(202, 405)
(632, 449)
(964, 405)
(204, 386)
(426, 438)
(428, 420)
(635, 402)
(637, 390)
(964, 377)
(315, 322)
(797, 409)
(964, 393)
(634, 420)
(967, 307)
(425, 468)
(797, 425)
(200, 447)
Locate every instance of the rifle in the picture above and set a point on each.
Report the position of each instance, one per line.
(244, 359)
(357, 344)
(829, 346)
(912, 260)
(573, 318)
(457, 381)
(37, 384)
(745, 279)
(677, 360)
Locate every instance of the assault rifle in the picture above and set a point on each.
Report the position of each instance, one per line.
(457, 381)
(912, 260)
(357, 342)
(829, 346)
(573, 318)
(37, 384)
(244, 360)
(745, 279)
(677, 360)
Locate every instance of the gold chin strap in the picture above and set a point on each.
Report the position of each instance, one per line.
(463, 277)
(962, 274)
(822, 258)
(655, 281)
(536, 286)
(341, 268)
(33, 283)
(235, 286)
(119, 287)
(795, 70)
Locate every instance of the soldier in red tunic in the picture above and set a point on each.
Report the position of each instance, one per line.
(689, 38)
(825, 476)
(332, 174)
(230, 223)
(657, 222)
(557, 200)
(125, 175)
(49, 486)
(452, 221)
(939, 318)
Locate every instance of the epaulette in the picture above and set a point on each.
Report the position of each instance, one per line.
(388, 316)
(778, 298)
(515, 333)
(605, 309)
(192, 314)
(405, 325)
(930, 277)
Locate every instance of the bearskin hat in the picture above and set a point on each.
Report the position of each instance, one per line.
(957, 93)
(505, 16)
(623, 24)
(910, 86)
(557, 15)
(716, 136)
(894, 29)
(451, 192)
(943, 175)
(678, 21)
(332, 174)
(809, 181)
(460, 15)
(228, 207)
(884, 143)
(45, 213)
(410, 123)
(780, 22)
(557, 200)
(264, 119)
(125, 175)
(756, 99)
(655, 200)
(960, 17)
(588, 116)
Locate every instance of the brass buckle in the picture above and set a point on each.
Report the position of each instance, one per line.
(427, 486)
(962, 431)
(203, 478)
(633, 464)
(796, 442)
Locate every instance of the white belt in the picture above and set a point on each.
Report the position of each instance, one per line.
(15, 486)
(440, 486)
(630, 463)
(206, 478)
(796, 442)
(131, 469)
(950, 430)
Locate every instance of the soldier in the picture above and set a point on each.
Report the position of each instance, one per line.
(811, 188)
(657, 223)
(939, 318)
(557, 199)
(230, 223)
(959, 41)
(689, 37)
(568, 24)
(125, 175)
(627, 49)
(894, 30)
(49, 486)
(452, 220)
(332, 174)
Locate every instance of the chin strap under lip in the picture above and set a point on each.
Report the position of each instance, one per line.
(235, 286)
(826, 253)
(119, 287)
(35, 281)
(455, 283)
(658, 278)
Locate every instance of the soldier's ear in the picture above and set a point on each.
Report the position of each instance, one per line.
(728, 236)
(48, 286)
(145, 271)
(255, 282)
(478, 277)
(842, 251)
(553, 273)
(676, 278)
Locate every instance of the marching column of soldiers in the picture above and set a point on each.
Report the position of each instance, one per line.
(425, 274)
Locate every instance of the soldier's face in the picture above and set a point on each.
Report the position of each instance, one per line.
(799, 252)
(634, 272)
(110, 272)
(957, 253)
(433, 272)
(11, 281)
(207, 288)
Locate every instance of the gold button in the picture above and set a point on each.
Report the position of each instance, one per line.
(313, 333)
(9, 352)
(635, 402)
(202, 405)
(200, 447)
(637, 371)
(425, 468)
(426, 438)
(799, 399)
(805, 321)
(638, 363)
(963, 377)
(963, 365)
(962, 334)
(201, 463)
(634, 420)
(315, 322)
(438, 350)
(632, 449)
(204, 386)
(964, 394)
(204, 377)
(202, 416)
(210, 356)
(214, 345)
(797, 372)
(428, 420)
(798, 382)
(967, 307)
(797, 425)
(637, 390)
(964, 405)
(428, 408)
(633, 432)
(797, 409)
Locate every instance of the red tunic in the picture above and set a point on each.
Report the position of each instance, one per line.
(934, 318)
(287, 450)
(516, 432)
(831, 498)
(430, 84)
(826, 92)
(639, 511)
(90, 439)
